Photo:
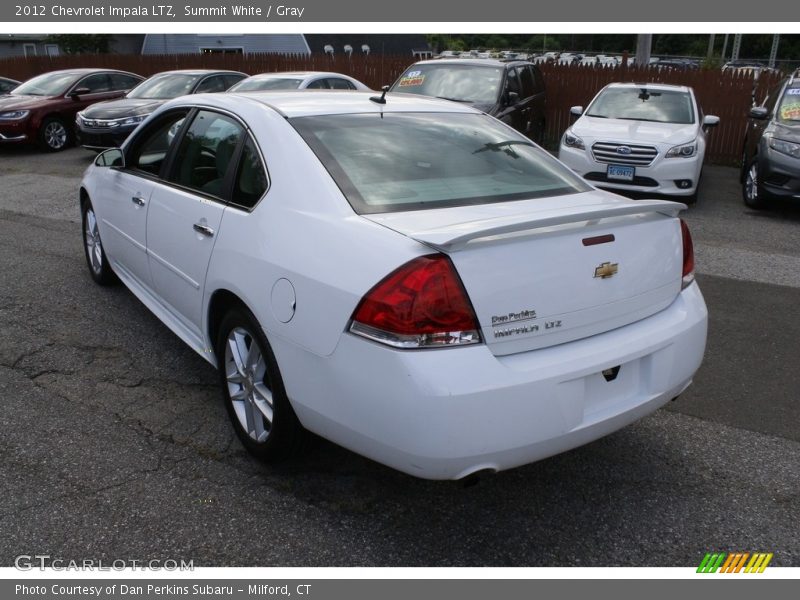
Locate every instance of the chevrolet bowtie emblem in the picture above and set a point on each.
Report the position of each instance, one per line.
(606, 270)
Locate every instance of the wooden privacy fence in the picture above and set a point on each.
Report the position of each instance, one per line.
(726, 95)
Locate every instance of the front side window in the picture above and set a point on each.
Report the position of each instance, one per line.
(150, 148)
(526, 81)
(96, 84)
(464, 83)
(410, 161)
(206, 153)
(643, 104)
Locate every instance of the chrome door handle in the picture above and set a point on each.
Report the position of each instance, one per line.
(203, 229)
(138, 201)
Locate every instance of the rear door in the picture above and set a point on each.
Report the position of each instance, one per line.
(185, 212)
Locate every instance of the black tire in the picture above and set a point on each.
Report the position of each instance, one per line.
(270, 441)
(752, 194)
(93, 250)
(54, 135)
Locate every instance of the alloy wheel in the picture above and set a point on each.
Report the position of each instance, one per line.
(246, 375)
(55, 135)
(751, 183)
(94, 248)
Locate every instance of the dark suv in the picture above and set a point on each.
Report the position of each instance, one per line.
(771, 156)
(511, 91)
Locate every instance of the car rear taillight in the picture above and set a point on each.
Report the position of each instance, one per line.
(423, 304)
(688, 255)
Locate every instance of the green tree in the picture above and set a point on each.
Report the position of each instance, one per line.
(84, 43)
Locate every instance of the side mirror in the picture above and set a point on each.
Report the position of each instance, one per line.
(112, 157)
(759, 112)
(512, 98)
(710, 121)
(77, 92)
(576, 111)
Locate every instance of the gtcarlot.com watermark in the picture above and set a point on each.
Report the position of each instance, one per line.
(29, 562)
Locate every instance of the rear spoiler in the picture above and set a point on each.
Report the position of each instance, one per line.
(454, 237)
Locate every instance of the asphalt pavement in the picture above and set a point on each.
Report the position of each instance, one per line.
(115, 443)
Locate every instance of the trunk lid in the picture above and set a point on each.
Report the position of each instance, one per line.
(547, 271)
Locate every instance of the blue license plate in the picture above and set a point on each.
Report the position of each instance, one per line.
(621, 172)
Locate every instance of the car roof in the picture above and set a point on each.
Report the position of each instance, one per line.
(303, 103)
(651, 86)
(87, 71)
(481, 62)
(295, 74)
(199, 72)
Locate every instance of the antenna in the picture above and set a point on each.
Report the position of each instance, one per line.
(382, 99)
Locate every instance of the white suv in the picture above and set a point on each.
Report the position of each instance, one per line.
(640, 137)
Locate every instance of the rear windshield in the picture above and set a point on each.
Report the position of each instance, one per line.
(276, 83)
(642, 104)
(464, 83)
(789, 109)
(411, 161)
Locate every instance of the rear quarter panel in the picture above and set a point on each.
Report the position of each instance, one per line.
(303, 230)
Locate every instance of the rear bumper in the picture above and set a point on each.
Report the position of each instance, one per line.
(443, 414)
(661, 177)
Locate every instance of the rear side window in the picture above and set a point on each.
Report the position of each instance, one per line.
(319, 84)
(120, 81)
(206, 153)
(212, 85)
(410, 161)
(232, 79)
(251, 178)
(340, 84)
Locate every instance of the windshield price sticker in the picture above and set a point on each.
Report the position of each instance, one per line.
(412, 78)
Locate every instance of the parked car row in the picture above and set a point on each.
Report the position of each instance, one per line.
(100, 108)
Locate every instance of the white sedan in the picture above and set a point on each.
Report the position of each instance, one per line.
(407, 277)
(647, 138)
(297, 80)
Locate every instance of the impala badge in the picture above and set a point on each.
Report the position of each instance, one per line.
(606, 270)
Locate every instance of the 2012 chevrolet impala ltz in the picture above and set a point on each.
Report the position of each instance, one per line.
(407, 277)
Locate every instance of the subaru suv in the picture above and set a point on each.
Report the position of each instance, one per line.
(771, 154)
(640, 137)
